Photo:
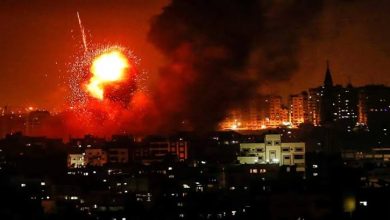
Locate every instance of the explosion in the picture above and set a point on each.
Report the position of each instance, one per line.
(108, 93)
(107, 68)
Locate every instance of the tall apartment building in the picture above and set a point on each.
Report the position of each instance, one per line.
(276, 114)
(346, 106)
(313, 105)
(298, 109)
(374, 106)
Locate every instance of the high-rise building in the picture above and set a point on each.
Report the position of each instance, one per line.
(276, 114)
(327, 104)
(374, 106)
(314, 106)
(298, 108)
(346, 106)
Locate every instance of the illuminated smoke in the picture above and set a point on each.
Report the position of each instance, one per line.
(221, 52)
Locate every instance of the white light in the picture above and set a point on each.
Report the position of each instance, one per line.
(169, 168)
(315, 174)
(23, 185)
(363, 203)
(315, 166)
(185, 186)
(43, 183)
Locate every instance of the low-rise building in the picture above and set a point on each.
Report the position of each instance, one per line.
(118, 155)
(273, 151)
(95, 156)
(76, 160)
(157, 150)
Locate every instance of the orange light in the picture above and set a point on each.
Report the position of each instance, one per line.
(106, 68)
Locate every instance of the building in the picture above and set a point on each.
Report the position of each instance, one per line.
(346, 106)
(118, 155)
(157, 149)
(76, 160)
(95, 156)
(87, 141)
(374, 106)
(314, 106)
(327, 102)
(245, 117)
(276, 114)
(375, 154)
(273, 151)
(298, 109)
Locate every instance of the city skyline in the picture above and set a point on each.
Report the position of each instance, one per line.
(347, 35)
(194, 109)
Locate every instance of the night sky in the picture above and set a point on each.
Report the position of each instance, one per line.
(40, 38)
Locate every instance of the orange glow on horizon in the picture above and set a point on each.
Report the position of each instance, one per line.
(109, 67)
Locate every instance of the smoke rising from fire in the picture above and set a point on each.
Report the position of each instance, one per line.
(221, 52)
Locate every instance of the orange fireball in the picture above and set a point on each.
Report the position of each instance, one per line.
(109, 67)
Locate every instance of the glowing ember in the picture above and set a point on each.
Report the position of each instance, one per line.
(107, 68)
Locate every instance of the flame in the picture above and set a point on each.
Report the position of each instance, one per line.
(107, 68)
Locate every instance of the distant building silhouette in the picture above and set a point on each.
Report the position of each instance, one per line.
(327, 98)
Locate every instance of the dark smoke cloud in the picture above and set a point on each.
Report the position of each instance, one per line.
(221, 51)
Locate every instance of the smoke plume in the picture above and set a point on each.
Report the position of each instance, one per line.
(220, 52)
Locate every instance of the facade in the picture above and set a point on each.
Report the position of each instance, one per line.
(159, 149)
(247, 117)
(118, 155)
(273, 151)
(276, 114)
(298, 109)
(374, 106)
(179, 148)
(313, 105)
(95, 156)
(76, 160)
(346, 106)
(376, 154)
